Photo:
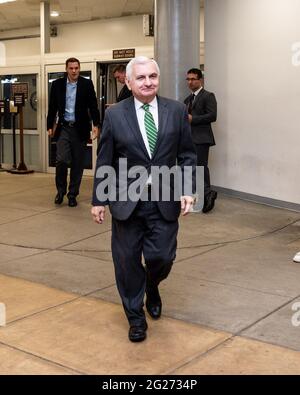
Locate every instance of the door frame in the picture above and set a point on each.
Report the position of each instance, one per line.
(24, 70)
(61, 67)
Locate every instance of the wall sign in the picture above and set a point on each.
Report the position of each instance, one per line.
(123, 53)
(20, 88)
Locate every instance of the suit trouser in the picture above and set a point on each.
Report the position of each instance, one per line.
(70, 151)
(202, 160)
(145, 233)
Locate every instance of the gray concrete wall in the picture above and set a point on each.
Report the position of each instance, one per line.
(252, 64)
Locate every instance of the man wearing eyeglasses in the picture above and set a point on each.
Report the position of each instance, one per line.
(202, 109)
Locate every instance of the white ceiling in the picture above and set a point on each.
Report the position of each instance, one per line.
(26, 13)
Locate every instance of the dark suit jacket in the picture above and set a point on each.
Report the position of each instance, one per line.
(124, 93)
(85, 107)
(204, 111)
(121, 138)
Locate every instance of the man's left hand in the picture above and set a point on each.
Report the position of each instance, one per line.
(186, 204)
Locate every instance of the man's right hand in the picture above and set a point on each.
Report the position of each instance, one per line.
(98, 213)
(50, 132)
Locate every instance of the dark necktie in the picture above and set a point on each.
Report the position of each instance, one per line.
(191, 101)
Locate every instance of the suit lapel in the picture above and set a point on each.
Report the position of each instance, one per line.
(162, 122)
(197, 98)
(78, 93)
(64, 92)
(130, 115)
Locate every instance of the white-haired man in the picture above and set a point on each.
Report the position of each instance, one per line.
(149, 131)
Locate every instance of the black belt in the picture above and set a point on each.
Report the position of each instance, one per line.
(70, 124)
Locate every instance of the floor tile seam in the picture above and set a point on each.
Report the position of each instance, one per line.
(240, 331)
(76, 253)
(40, 312)
(281, 228)
(69, 301)
(25, 190)
(41, 252)
(198, 356)
(90, 294)
(49, 250)
(234, 286)
(59, 247)
(27, 216)
(254, 339)
(40, 357)
(264, 234)
(198, 254)
(15, 208)
(216, 348)
(25, 247)
(84, 239)
(109, 251)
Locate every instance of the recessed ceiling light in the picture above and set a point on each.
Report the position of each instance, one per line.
(53, 13)
(6, 1)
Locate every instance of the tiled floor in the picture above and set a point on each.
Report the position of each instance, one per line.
(227, 304)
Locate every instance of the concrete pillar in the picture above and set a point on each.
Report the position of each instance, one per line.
(177, 43)
(45, 27)
(44, 48)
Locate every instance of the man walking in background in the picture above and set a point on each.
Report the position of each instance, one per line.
(72, 102)
(202, 109)
(119, 73)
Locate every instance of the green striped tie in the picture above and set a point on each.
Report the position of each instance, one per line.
(150, 128)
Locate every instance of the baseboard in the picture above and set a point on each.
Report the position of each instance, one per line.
(258, 199)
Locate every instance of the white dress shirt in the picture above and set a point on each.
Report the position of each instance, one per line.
(140, 113)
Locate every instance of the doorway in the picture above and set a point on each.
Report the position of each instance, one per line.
(53, 72)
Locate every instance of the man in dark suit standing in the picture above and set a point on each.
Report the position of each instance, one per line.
(119, 73)
(147, 131)
(72, 102)
(202, 109)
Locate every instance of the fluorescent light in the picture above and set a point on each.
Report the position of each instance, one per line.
(9, 81)
(6, 1)
(54, 13)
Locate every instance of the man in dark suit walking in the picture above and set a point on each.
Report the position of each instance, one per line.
(72, 102)
(119, 73)
(147, 131)
(202, 109)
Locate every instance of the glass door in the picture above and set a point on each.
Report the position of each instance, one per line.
(107, 86)
(10, 121)
(87, 70)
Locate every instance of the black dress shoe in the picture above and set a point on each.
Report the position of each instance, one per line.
(59, 198)
(137, 333)
(209, 201)
(72, 201)
(153, 302)
(154, 310)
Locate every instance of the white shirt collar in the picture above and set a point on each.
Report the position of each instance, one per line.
(138, 104)
(197, 91)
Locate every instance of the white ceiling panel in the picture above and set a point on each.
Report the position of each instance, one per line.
(26, 13)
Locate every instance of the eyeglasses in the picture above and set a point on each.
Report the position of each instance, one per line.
(192, 79)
